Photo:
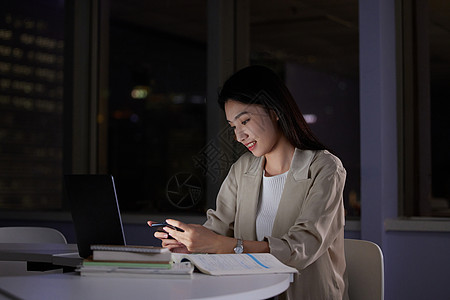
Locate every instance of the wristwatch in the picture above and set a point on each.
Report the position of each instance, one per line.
(239, 247)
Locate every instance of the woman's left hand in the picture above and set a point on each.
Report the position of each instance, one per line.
(196, 238)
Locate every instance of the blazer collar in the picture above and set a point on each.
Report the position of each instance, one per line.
(256, 166)
(299, 165)
(248, 206)
(252, 183)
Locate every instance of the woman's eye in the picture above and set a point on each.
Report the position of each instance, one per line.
(245, 122)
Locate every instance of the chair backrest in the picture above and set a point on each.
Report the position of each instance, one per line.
(31, 235)
(365, 270)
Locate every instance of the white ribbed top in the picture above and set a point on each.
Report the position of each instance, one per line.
(269, 199)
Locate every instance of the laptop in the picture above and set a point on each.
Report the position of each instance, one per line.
(95, 211)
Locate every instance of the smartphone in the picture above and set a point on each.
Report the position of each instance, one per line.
(160, 226)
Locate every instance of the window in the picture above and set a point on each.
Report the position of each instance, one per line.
(136, 90)
(157, 110)
(31, 104)
(424, 47)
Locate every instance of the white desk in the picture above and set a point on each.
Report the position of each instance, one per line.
(73, 286)
(200, 286)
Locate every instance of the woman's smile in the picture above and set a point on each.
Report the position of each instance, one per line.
(250, 146)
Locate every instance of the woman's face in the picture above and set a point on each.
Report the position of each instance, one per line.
(254, 126)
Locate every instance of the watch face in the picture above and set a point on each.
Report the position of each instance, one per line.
(239, 247)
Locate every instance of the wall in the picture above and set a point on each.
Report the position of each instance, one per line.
(417, 265)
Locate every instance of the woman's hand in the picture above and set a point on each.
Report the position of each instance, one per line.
(195, 238)
(167, 242)
(198, 239)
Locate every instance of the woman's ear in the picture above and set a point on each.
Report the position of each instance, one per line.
(274, 115)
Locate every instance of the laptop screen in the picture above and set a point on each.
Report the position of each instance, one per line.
(95, 211)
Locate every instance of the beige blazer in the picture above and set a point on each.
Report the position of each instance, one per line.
(308, 231)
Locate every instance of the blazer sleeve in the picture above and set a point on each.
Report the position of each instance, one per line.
(320, 219)
(221, 220)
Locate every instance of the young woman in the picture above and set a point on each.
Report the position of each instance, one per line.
(284, 196)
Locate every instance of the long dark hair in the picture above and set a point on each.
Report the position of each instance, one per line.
(260, 85)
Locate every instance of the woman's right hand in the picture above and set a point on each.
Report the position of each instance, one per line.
(169, 242)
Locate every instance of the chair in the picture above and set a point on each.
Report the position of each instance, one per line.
(365, 270)
(31, 235)
(27, 235)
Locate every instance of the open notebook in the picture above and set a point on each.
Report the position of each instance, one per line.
(95, 211)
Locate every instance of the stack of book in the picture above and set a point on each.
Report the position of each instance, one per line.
(133, 261)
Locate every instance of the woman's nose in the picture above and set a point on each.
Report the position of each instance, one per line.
(240, 135)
